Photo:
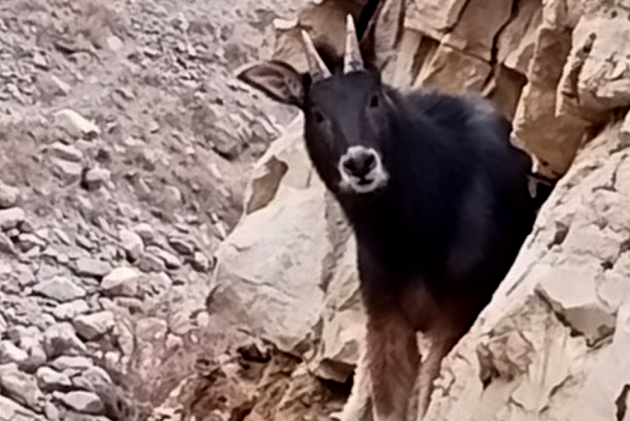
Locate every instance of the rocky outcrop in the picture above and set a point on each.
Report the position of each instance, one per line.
(550, 343)
(129, 255)
(555, 329)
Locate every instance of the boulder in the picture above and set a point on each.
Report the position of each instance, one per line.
(269, 269)
(552, 342)
(288, 269)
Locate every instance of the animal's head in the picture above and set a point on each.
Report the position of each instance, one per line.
(347, 112)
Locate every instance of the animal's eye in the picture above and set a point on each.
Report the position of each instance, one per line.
(318, 117)
(374, 101)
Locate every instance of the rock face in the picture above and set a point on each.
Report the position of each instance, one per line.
(134, 238)
(549, 345)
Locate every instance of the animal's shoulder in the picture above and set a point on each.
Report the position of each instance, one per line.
(469, 112)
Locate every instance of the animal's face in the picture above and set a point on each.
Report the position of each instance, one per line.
(346, 122)
(346, 113)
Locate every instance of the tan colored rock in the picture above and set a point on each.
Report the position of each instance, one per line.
(269, 268)
(433, 17)
(553, 139)
(324, 21)
(271, 174)
(400, 71)
(343, 321)
(453, 71)
(549, 344)
(477, 39)
(290, 264)
(604, 76)
(515, 43)
(550, 135)
(504, 89)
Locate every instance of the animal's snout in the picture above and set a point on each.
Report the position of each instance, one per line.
(359, 161)
(362, 170)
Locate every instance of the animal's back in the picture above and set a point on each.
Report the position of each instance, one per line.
(481, 211)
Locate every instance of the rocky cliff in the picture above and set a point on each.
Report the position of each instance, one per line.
(549, 345)
(167, 252)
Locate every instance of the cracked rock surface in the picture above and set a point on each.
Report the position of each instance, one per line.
(168, 253)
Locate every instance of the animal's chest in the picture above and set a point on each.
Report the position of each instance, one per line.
(419, 306)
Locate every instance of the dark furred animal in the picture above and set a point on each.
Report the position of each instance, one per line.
(437, 197)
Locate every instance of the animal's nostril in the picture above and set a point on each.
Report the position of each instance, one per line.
(360, 164)
(349, 165)
(370, 161)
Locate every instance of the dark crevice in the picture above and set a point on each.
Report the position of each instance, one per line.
(562, 230)
(625, 247)
(622, 402)
(494, 64)
(612, 184)
(573, 332)
(367, 12)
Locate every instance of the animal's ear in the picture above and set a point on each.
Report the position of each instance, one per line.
(276, 79)
(383, 33)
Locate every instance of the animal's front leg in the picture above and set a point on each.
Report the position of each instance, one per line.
(358, 407)
(443, 340)
(392, 355)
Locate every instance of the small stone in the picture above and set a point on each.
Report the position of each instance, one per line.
(173, 342)
(200, 262)
(70, 310)
(11, 218)
(21, 387)
(50, 379)
(40, 61)
(66, 170)
(149, 263)
(146, 232)
(11, 410)
(62, 236)
(59, 289)
(92, 267)
(66, 362)
(85, 402)
(6, 245)
(62, 87)
(94, 325)
(121, 281)
(84, 242)
(92, 379)
(172, 195)
(132, 243)
(51, 412)
(8, 196)
(9, 353)
(95, 178)
(171, 261)
(61, 338)
(154, 126)
(66, 152)
(30, 241)
(30, 340)
(75, 124)
(114, 43)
